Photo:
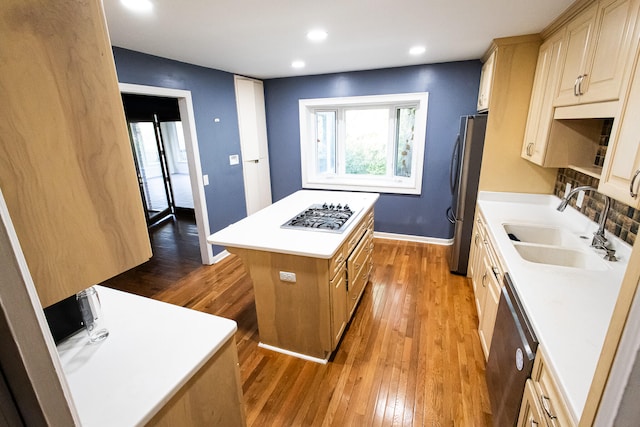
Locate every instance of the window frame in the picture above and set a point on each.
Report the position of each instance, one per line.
(337, 181)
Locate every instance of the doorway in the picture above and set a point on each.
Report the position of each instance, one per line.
(158, 145)
(195, 177)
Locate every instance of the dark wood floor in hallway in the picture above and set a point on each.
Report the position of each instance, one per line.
(410, 357)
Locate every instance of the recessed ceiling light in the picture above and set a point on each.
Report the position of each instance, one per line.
(317, 35)
(417, 50)
(298, 64)
(138, 5)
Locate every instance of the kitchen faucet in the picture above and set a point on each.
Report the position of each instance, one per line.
(599, 240)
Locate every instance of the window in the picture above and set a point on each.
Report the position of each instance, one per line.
(364, 143)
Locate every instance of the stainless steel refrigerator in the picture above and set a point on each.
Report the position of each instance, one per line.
(464, 174)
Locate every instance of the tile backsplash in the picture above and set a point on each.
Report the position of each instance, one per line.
(622, 221)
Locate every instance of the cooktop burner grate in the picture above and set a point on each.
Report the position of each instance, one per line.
(322, 217)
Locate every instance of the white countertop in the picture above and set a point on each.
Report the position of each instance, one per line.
(569, 308)
(262, 231)
(152, 350)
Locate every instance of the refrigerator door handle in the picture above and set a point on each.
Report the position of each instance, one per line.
(453, 169)
(450, 215)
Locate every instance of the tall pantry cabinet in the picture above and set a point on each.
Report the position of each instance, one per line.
(66, 167)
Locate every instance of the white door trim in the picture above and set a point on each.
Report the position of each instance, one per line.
(193, 157)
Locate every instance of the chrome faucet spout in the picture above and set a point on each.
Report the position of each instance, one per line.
(598, 237)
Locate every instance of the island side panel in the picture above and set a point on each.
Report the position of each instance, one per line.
(291, 316)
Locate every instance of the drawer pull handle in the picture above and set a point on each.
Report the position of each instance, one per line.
(546, 405)
(634, 194)
(484, 277)
(530, 149)
(576, 91)
(534, 423)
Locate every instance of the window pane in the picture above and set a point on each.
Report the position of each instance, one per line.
(367, 135)
(405, 119)
(326, 142)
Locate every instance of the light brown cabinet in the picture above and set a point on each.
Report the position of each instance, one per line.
(66, 166)
(540, 118)
(486, 278)
(620, 176)
(212, 397)
(530, 411)
(542, 398)
(486, 81)
(598, 43)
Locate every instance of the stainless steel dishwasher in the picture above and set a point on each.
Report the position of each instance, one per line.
(511, 356)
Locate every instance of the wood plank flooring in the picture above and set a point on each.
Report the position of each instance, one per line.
(411, 356)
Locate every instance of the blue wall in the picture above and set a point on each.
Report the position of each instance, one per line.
(453, 89)
(213, 96)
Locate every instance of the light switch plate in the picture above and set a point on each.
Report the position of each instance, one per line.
(234, 159)
(205, 180)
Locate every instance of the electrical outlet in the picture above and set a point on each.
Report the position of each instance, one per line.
(287, 276)
(567, 190)
(580, 199)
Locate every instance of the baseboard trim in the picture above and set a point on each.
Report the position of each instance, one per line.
(222, 255)
(411, 238)
(294, 354)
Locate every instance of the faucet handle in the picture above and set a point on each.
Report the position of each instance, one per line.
(610, 254)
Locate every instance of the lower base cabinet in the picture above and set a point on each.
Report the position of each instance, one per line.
(486, 277)
(543, 403)
(212, 397)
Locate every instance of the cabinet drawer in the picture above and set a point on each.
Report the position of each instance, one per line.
(338, 260)
(531, 413)
(358, 258)
(551, 401)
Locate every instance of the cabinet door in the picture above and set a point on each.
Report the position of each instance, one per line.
(609, 51)
(486, 78)
(490, 309)
(541, 107)
(530, 412)
(339, 314)
(620, 176)
(579, 32)
(66, 166)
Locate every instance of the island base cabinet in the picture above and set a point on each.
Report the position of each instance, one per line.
(212, 397)
(293, 316)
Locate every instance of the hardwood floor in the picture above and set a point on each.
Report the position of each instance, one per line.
(410, 357)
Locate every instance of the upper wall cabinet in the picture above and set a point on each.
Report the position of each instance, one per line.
(486, 80)
(620, 176)
(66, 166)
(541, 107)
(597, 42)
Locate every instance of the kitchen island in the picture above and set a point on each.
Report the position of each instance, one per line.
(307, 282)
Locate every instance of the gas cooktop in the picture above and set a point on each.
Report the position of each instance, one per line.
(322, 217)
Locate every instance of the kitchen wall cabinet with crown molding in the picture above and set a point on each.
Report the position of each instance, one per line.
(486, 81)
(620, 177)
(66, 166)
(540, 116)
(598, 43)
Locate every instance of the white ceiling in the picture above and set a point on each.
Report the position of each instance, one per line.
(262, 38)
